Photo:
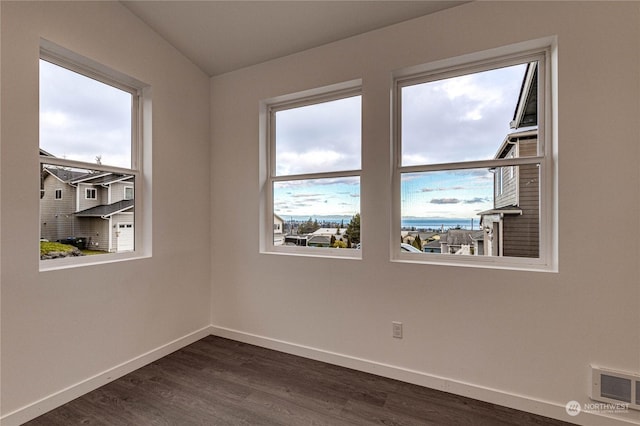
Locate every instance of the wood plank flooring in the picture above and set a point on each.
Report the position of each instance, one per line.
(217, 381)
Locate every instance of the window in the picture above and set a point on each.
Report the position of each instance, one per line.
(91, 144)
(313, 164)
(90, 193)
(128, 192)
(472, 163)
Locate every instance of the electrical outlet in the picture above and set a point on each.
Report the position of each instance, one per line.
(396, 329)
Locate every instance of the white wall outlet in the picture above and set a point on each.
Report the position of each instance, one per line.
(396, 329)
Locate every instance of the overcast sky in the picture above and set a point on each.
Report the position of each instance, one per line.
(457, 119)
(323, 137)
(81, 118)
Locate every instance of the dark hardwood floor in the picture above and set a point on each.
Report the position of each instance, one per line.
(217, 381)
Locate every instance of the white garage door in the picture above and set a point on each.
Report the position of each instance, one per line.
(124, 237)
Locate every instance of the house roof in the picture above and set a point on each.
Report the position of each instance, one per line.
(526, 112)
(64, 174)
(431, 244)
(329, 231)
(73, 177)
(477, 235)
(101, 178)
(106, 210)
(502, 210)
(456, 237)
(319, 239)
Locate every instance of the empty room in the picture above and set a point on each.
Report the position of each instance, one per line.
(320, 212)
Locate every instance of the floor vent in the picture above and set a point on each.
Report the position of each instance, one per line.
(615, 387)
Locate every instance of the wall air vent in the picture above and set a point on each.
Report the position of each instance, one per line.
(615, 387)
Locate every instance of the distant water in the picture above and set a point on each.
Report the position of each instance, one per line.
(438, 223)
(413, 222)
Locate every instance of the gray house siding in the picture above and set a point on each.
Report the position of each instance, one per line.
(118, 191)
(61, 218)
(521, 233)
(506, 183)
(94, 231)
(84, 203)
(56, 215)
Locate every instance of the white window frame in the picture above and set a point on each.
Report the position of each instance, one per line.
(90, 193)
(542, 50)
(268, 176)
(141, 115)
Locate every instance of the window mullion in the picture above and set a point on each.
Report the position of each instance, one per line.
(471, 164)
(54, 161)
(309, 176)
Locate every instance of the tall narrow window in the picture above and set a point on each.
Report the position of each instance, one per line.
(471, 159)
(313, 184)
(89, 143)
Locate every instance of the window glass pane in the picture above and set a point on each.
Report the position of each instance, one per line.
(102, 223)
(84, 119)
(323, 137)
(312, 211)
(457, 119)
(490, 212)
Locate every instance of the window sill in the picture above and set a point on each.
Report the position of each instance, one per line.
(483, 262)
(83, 261)
(329, 253)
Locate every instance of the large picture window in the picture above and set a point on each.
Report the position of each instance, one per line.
(313, 173)
(90, 144)
(472, 161)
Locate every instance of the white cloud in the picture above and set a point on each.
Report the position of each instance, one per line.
(458, 119)
(81, 118)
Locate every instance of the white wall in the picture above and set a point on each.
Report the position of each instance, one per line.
(524, 339)
(61, 328)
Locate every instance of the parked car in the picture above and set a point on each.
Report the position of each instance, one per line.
(409, 248)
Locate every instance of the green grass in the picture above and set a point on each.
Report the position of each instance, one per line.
(92, 252)
(48, 247)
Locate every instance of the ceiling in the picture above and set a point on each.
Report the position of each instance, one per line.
(223, 36)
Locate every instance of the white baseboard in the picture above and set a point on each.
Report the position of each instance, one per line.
(63, 396)
(494, 396)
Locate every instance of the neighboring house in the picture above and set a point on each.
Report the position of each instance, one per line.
(477, 248)
(278, 230)
(511, 228)
(456, 241)
(319, 241)
(432, 247)
(94, 208)
(336, 232)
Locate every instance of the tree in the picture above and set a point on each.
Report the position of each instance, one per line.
(353, 229)
(332, 241)
(306, 227)
(339, 244)
(417, 243)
